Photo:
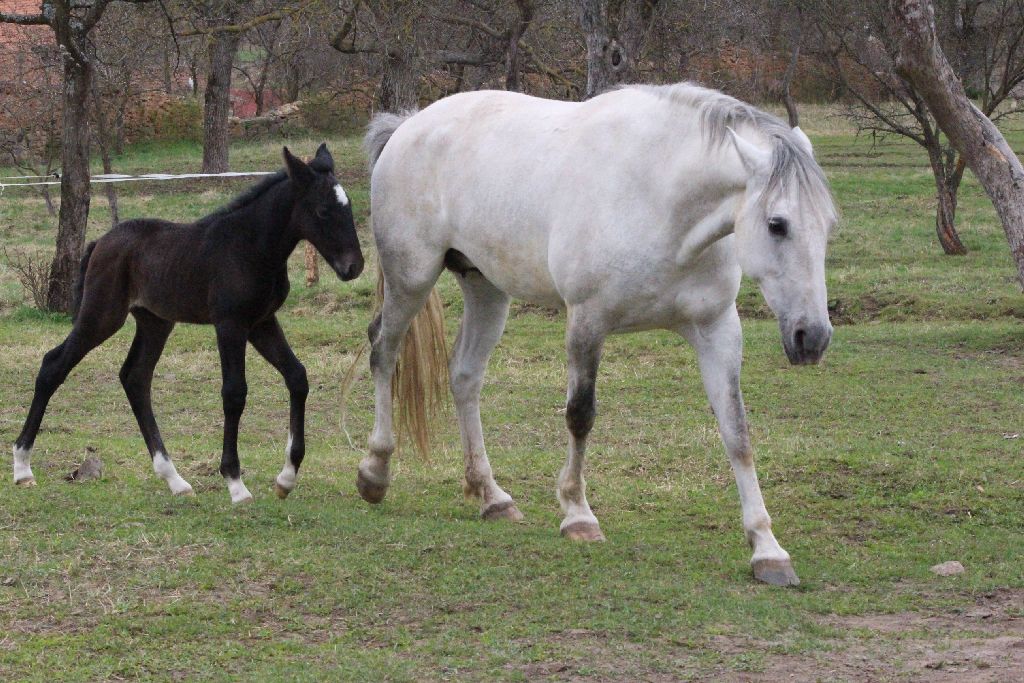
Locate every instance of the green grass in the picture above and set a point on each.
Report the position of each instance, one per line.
(892, 456)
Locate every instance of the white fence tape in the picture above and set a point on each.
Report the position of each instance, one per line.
(120, 178)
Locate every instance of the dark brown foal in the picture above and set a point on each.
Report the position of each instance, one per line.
(228, 270)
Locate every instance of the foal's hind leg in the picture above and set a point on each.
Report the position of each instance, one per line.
(269, 341)
(719, 352)
(400, 306)
(151, 335)
(584, 340)
(96, 322)
(486, 309)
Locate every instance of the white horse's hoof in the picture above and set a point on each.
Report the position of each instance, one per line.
(775, 572)
(245, 500)
(502, 511)
(30, 481)
(185, 493)
(583, 531)
(371, 492)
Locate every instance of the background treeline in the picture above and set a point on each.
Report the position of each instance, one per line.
(81, 76)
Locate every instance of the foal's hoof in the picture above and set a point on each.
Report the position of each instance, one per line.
(280, 491)
(583, 531)
(369, 491)
(498, 511)
(244, 500)
(775, 572)
(30, 481)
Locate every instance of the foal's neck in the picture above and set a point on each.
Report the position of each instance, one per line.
(269, 219)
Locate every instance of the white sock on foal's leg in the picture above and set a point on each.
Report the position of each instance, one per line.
(166, 470)
(22, 469)
(285, 482)
(239, 494)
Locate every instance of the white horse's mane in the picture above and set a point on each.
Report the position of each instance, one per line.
(790, 161)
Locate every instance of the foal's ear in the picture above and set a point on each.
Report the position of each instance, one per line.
(298, 171)
(754, 159)
(323, 159)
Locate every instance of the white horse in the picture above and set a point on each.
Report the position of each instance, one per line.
(635, 210)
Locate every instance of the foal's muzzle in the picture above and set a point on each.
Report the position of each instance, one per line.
(348, 268)
(805, 344)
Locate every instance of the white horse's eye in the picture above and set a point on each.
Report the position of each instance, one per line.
(778, 226)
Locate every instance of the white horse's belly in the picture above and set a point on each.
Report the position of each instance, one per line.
(516, 267)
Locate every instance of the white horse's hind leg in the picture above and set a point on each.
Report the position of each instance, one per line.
(583, 345)
(719, 352)
(400, 306)
(486, 309)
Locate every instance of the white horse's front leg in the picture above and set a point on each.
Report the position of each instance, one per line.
(583, 345)
(720, 352)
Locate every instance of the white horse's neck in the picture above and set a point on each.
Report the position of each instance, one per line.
(713, 227)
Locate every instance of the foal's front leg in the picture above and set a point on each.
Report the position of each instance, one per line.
(231, 338)
(719, 347)
(269, 341)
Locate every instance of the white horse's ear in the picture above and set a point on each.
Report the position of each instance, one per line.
(753, 157)
(804, 141)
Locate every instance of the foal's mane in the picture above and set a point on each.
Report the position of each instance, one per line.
(247, 197)
(255, 192)
(790, 161)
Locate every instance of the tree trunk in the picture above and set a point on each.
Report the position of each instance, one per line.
(613, 43)
(217, 101)
(947, 186)
(312, 266)
(103, 139)
(945, 219)
(513, 61)
(74, 184)
(795, 38)
(399, 86)
(602, 49)
(920, 60)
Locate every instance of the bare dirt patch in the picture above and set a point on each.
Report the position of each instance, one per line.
(982, 644)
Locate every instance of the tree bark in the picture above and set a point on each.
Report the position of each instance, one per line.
(399, 85)
(614, 31)
(74, 184)
(312, 266)
(513, 59)
(217, 101)
(795, 38)
(920, 60)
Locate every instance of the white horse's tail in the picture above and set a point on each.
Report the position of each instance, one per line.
(420, 383)
(382, 127)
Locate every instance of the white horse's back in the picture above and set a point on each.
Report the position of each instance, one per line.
(547, 199)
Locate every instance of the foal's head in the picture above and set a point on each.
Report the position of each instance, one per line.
(322, 213)
(781, 233)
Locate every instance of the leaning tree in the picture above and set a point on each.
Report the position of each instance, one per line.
(72, 22)
(919, 58)
(986, 42)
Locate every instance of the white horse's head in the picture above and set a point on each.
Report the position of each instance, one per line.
(782, 231)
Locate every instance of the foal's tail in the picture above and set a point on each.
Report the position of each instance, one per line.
(79, 287)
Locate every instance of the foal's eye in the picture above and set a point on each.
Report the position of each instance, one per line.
(778, 226)
(321, 212)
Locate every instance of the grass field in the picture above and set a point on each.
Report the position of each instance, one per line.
(900, 451)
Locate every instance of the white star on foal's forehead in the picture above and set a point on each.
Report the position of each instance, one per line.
(340, 192)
